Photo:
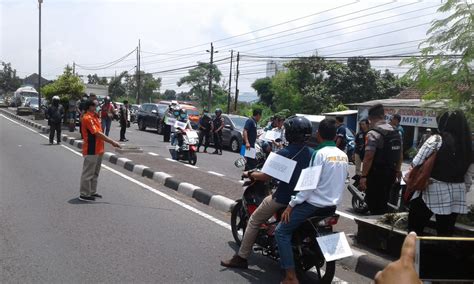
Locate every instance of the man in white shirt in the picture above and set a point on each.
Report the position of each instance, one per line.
(321, 201)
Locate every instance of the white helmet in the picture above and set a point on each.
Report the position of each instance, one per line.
(56, 98)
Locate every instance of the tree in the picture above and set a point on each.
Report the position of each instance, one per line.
(198, 80)
(66, 86)
(9, 81)
(440, 74)
(264, 91)
(169, 95)
(96, 80)
(117, 88)
(149, 86)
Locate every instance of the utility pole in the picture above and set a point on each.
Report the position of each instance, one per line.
(209, 96)
(230, 81)
(39, 54)
(138, 73)
(237, 72)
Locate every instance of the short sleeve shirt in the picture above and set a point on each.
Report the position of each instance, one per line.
(251, 127)
(89, 127)
(302, 155)
(374, 139)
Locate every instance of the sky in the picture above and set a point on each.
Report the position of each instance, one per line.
(176, 34)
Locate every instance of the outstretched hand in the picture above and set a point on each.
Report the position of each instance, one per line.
(402, 270)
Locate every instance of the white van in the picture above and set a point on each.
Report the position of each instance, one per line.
(21, 94)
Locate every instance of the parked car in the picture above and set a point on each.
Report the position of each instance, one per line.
(32, 102)
(151, 115)
(232, 133)
(133, 113)
(3, 101)
(21, 94)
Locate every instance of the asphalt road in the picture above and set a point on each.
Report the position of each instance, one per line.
(139, 232)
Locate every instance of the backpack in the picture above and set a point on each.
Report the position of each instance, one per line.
(389, 156)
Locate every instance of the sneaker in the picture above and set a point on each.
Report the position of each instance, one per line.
(86, 198)
(59, 143)
(96, 195)
(235, 262)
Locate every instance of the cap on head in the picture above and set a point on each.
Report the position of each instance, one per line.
(428, 129)
(56, 98)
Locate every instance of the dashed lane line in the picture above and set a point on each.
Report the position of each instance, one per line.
(216, 174)
(153, 154)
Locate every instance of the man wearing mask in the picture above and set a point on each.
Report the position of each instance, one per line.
(124, 123)
(250, 136)
(382, 161)
(217, 126)
(55, 114)
(205, 125)
(107, 114)
(92, 150)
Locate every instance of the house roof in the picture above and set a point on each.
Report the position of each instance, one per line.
(343, 112)
(416, 103)
(409, 93)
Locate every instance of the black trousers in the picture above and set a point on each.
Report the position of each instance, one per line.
(166, 133)
(420, 215)
(251, 164)
(123, 129)
(379, 183)
(54, 127)
(218, 141)
(204, 135)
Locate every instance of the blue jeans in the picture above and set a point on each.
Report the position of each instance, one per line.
(284, 232)
(106, 122)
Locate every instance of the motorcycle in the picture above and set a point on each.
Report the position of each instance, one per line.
(188, 148)
(395, 202)
(307, 252)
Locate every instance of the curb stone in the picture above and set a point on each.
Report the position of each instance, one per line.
(359, 262)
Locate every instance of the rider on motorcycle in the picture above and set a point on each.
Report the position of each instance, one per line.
(298, 131)
(321, 201)
(183, 117)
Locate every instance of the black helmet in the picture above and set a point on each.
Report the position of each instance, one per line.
(298, 129)
(218, 111)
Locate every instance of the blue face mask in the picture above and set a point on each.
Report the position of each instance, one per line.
(183, 115)
(176, 113)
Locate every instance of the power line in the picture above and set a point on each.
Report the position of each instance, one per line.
(107, 65)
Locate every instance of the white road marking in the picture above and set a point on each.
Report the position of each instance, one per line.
(191, 166)
(171, 160)
(216, 174)
(153, 154)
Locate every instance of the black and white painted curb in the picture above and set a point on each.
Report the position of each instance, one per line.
(360, 262)
(205, 196)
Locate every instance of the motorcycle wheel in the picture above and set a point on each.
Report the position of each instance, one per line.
(359, 206)
(238, 222)
(321, 275)
(192, 158)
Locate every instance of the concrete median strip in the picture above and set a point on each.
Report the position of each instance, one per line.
(360, 262)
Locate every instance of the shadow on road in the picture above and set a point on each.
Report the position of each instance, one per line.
(76, 201)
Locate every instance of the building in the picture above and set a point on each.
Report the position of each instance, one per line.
(273, 67)
(416, 115)
(100, 91)
(32, 81)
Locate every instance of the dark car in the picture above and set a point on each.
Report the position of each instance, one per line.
(151, 115)
(232, 132)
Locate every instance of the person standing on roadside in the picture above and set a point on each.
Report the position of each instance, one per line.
(82, 110)
(124, 122)
(395, 122)
(205, 125)
(217, 126)
(92, 150)
(107, 114)
(445, 196)
(382, 161)
(341, 133)
(55, 114)
(360, 149)
(250, 136)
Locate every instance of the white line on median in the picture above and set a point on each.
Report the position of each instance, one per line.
(153, 154)
(191, 166)
(171, 160)
(216, 174)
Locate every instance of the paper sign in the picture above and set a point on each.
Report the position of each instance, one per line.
(334, 246)
(250, 153)
(272, 135)
(309, 178)
(170, 121)
(179, 124)
(279, 167)
(192, 134)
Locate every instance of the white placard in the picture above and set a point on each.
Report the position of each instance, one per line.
(271, 135)
(180, 124)
(170, 121)
(334, 246)
(192, 134)
(250, 153)
(309, 178)
(279, 167)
